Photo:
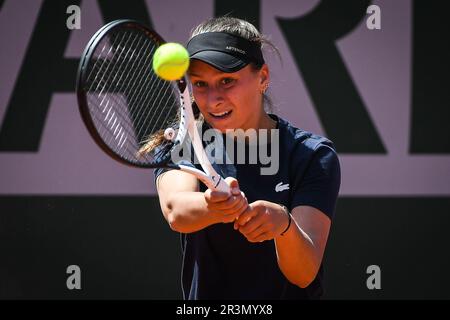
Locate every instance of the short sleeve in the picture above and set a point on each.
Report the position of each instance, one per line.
(158, 171)
(318, 185)
(182, 156)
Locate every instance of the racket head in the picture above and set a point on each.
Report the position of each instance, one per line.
(121, 100)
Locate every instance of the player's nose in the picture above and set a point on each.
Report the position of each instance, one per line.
(215, 98)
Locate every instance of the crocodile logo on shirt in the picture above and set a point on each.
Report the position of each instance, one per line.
(281, 187)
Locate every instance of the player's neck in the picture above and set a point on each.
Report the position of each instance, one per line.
(266, 122)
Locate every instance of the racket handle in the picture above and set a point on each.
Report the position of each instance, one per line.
(222, 186)
(214, 182)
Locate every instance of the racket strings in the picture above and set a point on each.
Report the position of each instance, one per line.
(113, 120)
(103, 73)
(130, 79)
(165, 106)
(151, 98)
(127, 101)
(102, 84)
(132, 99)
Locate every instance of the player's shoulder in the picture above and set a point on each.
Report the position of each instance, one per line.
(298, 140)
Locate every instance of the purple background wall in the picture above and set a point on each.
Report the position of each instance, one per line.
(60, 199)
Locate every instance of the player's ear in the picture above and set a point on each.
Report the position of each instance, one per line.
(264, 75)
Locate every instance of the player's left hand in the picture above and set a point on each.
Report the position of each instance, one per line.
(263, 220)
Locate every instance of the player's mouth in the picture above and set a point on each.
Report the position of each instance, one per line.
(221, 115)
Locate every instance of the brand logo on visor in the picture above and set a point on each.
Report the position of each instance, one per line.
(236, 49)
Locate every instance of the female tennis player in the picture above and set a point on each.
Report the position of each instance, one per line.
(266, 241)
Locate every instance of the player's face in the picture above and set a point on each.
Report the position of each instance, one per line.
(229, 100)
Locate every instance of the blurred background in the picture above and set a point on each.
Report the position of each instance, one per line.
(369, 75)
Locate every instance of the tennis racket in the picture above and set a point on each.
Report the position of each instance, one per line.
(128, 109)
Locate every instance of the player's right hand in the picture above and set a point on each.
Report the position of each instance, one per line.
(226, 207)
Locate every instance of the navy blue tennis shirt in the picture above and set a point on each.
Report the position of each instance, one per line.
(220, 263)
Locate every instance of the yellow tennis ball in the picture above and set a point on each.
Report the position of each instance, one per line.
(171, 61)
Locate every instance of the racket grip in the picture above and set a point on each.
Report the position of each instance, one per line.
(213, 182)
(222, 186)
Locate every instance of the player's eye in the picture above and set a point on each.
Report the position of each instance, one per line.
(227, 81)
(200, 84)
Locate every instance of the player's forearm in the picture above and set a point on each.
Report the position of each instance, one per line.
(187, 212)
(298, 258)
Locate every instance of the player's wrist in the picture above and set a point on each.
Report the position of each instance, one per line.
(289, 220)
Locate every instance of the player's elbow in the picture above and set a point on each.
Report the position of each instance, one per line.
(180, 214)
(169, 212)
(304, 278)
(175, 221)
(172, 219)
(170, 208)
(304, 282)
(178, 224)
(309, 276)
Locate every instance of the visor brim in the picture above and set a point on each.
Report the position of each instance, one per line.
(220, 60)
